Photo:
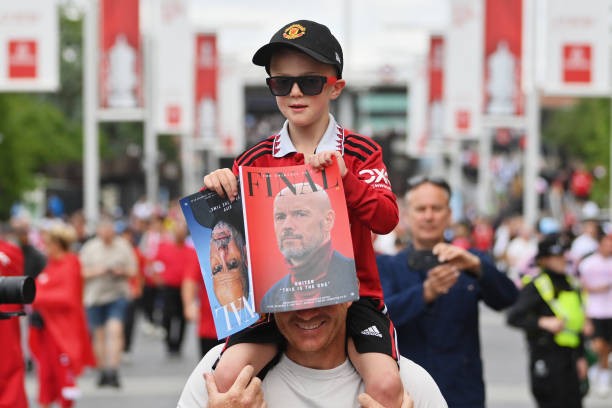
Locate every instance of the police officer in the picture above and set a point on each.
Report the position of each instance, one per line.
(550, 310)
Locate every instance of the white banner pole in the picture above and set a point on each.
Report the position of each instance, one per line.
(532, 96)
(91, 153)
(150, 136)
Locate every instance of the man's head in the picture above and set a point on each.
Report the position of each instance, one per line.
(551, 253)
(228, 264)
(303, 220)
(428, 211)
(316, 338)
(106, 230)
(605, 244)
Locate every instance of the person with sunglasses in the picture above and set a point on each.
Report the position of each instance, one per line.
(304, 62)
(433, 288)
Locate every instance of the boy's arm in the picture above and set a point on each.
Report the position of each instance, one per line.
(368, 192)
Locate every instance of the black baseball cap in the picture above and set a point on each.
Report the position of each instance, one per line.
(311, 38)
(551, 245)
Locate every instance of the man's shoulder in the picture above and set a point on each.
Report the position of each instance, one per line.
(91, 244)
(420, 385)
(393, 259)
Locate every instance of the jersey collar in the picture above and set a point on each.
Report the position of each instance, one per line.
(333, 140)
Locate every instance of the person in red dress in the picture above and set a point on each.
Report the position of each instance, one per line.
(59, 339)
(12, 368)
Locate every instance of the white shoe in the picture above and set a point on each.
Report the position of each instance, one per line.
(71, 393)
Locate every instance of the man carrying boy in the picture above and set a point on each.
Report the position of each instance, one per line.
(305, 63)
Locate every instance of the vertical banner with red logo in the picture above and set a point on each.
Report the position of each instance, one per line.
(29, 45)
(577, 48)
(417, 109)
(463, 69)
(173, 75)
(206, 76)
(435, 100)
(503, 57)
(120, 73)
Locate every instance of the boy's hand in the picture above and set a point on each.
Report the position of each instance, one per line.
(325, 159)
(223, 182)
(245, 392)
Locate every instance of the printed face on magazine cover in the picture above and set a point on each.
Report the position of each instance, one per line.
(299, 109)
(302, 222)
(228, 264)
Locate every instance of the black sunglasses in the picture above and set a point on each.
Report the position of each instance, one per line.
(414, 182)
(309, 84)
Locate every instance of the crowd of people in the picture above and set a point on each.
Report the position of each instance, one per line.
(433, 275)
(90, 288)
(411, 339)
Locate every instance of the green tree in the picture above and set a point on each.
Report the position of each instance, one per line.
(42, 130)
(35, 134)
(582, 132)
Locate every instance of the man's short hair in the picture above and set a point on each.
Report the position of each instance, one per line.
(416, 181)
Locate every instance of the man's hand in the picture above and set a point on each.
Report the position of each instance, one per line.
(551, 324)
(246, 391)
(223, 182)
(439, 281)
(368, 402)
(325, 159)
(458, 257)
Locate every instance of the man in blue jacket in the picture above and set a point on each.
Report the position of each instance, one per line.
(432, 290)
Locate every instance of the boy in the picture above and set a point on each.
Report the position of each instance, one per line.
(305, 61)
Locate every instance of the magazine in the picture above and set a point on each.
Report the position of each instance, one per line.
(298, 237)
(217, 230)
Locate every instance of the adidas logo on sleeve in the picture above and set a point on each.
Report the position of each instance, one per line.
(371, 331)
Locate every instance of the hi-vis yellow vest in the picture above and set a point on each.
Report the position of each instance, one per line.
(567, 307)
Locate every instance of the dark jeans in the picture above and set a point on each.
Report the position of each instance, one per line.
(173, 318)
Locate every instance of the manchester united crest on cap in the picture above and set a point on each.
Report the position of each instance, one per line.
(294, 31)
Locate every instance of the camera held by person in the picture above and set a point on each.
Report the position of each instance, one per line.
(16, 290)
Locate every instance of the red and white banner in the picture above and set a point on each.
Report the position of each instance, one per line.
(427, 102)
(120, 73)
(29, 46)
(503, 57)
(463, 69)
(435, 100)
(206, 77)
(417, 135)
(173, 62)
(577, 48)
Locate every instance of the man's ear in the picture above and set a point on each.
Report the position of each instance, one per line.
(337, 89)
(328, 220)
